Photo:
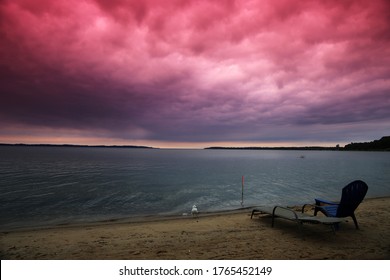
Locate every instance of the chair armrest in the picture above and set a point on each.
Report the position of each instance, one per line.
(319, 200)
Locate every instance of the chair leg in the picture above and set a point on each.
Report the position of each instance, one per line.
(333, 227)
(253, 212)
(355, 221)
(316, 209)
(301, 229)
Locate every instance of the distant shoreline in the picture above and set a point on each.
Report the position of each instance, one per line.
(278, 148)
(381, 145)
(77, 146)
(298, 149)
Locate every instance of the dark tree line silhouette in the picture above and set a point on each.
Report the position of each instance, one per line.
(382, 144)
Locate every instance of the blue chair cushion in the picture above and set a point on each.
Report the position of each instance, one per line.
(331, 210)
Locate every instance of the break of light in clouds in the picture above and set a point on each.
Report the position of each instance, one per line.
(194, 73)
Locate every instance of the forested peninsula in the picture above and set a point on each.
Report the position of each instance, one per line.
(382, 144)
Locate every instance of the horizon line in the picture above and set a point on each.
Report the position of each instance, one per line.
(167, 148)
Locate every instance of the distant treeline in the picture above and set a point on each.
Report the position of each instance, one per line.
(377, 145)
(382, 144)
(277, 148)
(79, 146)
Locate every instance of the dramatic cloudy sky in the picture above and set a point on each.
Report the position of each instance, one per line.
(192, 73)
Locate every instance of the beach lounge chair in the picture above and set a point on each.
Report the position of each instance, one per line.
(352, 195)
(292, 215)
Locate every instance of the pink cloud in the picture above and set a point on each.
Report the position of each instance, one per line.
(204, 70)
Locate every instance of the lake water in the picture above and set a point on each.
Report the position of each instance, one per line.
(42, 186)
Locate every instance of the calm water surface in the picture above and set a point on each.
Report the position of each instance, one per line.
(53, 185)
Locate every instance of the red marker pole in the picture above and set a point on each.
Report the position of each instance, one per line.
(242, 191)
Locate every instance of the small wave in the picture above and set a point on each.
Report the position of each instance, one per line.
(39, 195)
(12, 192)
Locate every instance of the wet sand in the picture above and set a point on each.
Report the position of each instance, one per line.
(229, 235)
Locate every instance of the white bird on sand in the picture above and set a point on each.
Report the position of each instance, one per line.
(194, 210)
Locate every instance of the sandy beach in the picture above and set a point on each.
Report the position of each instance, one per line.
(230, 235)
